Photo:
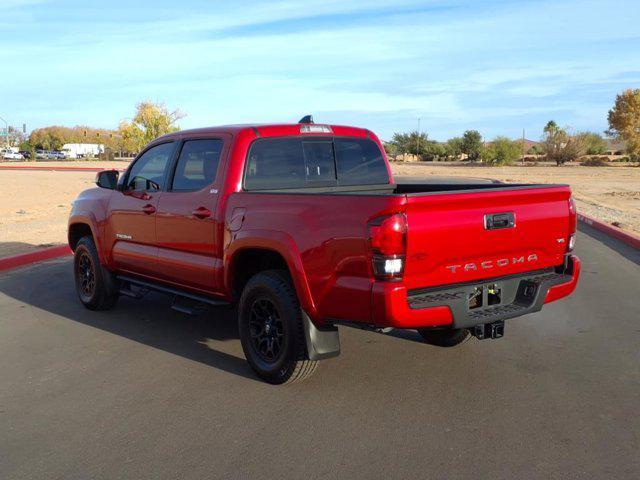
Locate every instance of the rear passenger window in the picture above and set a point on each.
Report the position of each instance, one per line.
(197, 165)
(360, 162)
(275, 163)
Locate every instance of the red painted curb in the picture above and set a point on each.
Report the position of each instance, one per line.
(15, 261)
(628, 238)
(53, 168)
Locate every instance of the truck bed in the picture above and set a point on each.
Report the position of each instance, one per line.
(447, 241)
(415, 188)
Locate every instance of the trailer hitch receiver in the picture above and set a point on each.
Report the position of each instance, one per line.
(489, 330)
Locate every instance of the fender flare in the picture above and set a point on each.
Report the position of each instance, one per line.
(285, 246)
(88, 218)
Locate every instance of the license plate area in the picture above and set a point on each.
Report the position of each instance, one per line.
(484, 296)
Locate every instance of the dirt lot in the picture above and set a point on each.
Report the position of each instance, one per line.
(34, 205)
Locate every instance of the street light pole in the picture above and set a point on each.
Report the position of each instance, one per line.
(6, 132)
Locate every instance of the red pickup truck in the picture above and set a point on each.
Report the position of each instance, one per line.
(303, 228)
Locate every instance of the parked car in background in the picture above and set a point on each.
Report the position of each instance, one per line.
(10, 154)
(57, 154)
(25, 153)
(47, 155)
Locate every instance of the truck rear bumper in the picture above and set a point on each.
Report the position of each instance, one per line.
(467, 305)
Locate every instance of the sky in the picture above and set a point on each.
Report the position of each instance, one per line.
(496, 66)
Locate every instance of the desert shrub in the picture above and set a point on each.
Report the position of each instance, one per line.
(536, 150)
(501, 151)
(593, 143)
(471, 145)
(560, 146)
(594, 162)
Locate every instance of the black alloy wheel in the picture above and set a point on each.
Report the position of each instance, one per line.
(267, 330)
(86, 275)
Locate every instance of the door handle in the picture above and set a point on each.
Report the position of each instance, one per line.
(497, 221)
(201, 212)
(149, 209)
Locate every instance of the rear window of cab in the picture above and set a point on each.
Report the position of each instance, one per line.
(295, 162)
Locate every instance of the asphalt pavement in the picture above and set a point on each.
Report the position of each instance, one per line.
(143, 391)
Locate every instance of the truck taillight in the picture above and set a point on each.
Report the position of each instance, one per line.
(573, 215)
(573, 225)
(388, 243)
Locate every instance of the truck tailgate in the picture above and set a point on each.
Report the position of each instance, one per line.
(448, 241)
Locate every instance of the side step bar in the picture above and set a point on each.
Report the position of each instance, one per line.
(185, 302)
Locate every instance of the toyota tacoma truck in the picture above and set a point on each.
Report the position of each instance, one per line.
(304, 229)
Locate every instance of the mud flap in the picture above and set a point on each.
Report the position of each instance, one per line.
(321, 343)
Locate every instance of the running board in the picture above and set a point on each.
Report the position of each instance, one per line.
(145, 286)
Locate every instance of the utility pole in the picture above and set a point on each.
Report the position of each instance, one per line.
(418, 139)
(523, 146)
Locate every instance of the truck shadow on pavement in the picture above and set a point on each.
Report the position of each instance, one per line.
(150, 320)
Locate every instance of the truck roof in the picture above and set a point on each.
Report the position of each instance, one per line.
(273, 130)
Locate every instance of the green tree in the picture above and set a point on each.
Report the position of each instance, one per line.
(434, 151)
(502, 151)
(48, 138)
(593, 143)
(472, 144)
(536, 150)
(54, 137)
(453, 148)
(391, 150)
(151, 121)
(414, 142)
(624, 121)
(559, 146)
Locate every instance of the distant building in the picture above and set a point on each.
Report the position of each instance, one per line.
(616, 147)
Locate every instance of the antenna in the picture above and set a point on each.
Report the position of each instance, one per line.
(306, 119)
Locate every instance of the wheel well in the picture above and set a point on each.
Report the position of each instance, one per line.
(76, 232)
(251, 261)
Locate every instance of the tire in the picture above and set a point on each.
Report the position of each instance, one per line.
(447, 337)
(271, 330)
(97, 287)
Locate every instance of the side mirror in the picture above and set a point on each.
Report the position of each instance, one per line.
(107, 179)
